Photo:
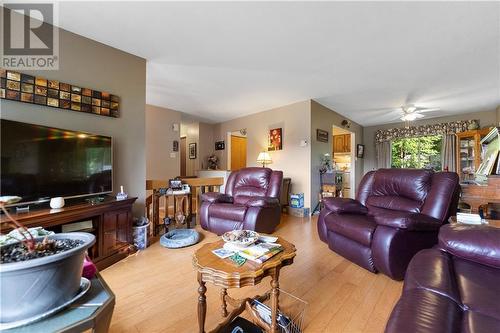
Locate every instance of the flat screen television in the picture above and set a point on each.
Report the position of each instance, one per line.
(39, 163)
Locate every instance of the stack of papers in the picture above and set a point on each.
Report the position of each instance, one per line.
(467, 218)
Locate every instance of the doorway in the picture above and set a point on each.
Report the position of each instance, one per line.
(183, 156)
(238, 151)
(344, 158)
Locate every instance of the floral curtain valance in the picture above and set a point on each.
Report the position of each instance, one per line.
(416, 131)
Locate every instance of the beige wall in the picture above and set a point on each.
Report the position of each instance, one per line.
(324, 118)
(159, 143)
(192, 133)
(90, 64)
(486, 118)
(206, 145)
(293, 160)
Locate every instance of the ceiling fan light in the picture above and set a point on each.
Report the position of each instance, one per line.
(409, 108)
(409, 117)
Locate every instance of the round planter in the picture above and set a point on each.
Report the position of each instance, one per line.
(35, 286)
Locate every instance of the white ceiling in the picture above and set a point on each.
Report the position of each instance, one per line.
(223, 60)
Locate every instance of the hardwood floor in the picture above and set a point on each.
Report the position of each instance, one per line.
(156, 289)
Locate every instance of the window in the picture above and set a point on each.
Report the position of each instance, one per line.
(422, 153)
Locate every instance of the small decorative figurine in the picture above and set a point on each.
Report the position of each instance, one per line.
(121, 195)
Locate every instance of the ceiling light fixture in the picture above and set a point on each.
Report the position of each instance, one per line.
(409, 108)
(409, 117)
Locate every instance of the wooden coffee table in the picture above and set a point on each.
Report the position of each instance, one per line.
(225, 274)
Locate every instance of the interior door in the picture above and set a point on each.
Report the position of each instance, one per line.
(238, 152)
(183, 156)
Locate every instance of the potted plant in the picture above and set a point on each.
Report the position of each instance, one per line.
(38, 274)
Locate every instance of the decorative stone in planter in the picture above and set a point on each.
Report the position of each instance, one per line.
(32, 287)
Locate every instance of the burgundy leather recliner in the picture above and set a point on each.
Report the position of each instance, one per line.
(398, 212)
(454, 287)
(251, 202)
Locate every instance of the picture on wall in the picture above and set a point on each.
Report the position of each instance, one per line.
(175, 145)
(192, 151)
(275, 139)
(360, 151)
(220, 145)
(321, 135)
(38, 90)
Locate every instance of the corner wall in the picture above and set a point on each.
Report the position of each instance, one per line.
(486, 118)
(87, 63)
(293, 160)
(159, 143)
(324, 118)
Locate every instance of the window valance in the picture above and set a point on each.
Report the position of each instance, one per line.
(424, 130)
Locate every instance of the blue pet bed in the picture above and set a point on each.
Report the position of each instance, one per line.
(180, 238)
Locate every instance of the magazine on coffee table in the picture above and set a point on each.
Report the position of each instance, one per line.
(258, 252)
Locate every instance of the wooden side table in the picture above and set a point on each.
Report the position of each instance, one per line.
(225, 274)
(182, 203)
(92, 312)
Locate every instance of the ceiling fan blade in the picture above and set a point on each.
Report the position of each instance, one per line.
(428, 110)
(418, 115)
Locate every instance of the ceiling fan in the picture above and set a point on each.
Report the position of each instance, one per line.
(412, 112)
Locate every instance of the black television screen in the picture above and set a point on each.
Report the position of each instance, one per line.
(39, 163)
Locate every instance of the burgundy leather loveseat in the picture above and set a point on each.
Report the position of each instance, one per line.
(251, 202)
(454, 287)
(398, 212)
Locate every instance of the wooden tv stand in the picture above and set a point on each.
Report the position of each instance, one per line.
(111, 224)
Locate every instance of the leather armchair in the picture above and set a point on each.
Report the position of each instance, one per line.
(453, 287)
(250, 201)
(397, 212)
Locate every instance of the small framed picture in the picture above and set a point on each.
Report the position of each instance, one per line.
(219, 145)
(175, 145)
(192, 151)
(321, 135)
(360, 151)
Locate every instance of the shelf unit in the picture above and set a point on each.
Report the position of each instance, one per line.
(469, 152)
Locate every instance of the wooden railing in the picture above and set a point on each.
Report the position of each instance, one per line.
(198, 186)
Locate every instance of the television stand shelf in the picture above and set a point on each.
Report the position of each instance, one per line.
(111, 224)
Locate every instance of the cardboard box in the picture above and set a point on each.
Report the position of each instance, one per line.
(299, 212)
(297, 200)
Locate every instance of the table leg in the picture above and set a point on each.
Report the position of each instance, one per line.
(223, 308)
(274, 300)
(202, 304)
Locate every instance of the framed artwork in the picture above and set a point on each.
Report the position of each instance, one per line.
(321, 135)
(275, 139)
(38, 90)
(220, 145)
(192, 151)
(360, 151)
(175, 145)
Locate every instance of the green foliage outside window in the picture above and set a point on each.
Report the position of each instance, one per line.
(420, 153)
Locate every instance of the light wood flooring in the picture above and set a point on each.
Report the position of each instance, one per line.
(156, 289)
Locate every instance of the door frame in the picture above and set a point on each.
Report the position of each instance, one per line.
(354, 159)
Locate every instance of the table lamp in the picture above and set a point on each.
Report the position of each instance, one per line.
(264, 158)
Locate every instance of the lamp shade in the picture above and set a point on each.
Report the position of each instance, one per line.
(264, 158)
